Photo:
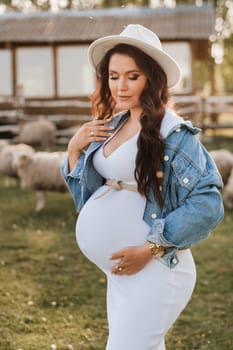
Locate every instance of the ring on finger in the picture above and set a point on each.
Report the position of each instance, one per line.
(119, 268)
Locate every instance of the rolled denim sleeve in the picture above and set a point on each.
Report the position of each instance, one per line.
(76, 172)
(73, 178)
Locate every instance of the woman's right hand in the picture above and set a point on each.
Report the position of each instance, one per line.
(94, 131)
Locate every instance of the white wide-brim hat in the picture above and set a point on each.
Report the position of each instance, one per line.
(145, 40)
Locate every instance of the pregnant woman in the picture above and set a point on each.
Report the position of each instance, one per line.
(145, 187)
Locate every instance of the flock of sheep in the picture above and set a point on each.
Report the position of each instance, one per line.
(41, 171)
(38, 171)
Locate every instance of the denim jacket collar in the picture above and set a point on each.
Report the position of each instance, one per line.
(171, 122)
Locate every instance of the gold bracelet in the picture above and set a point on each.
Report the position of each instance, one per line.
(157, 251)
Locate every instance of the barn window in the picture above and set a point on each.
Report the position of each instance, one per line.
(181, 52)
(74, 74)
(35, 71)
(6, 87)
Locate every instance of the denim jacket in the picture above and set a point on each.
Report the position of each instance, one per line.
(192, 205)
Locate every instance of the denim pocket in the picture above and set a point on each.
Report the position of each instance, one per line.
(186, 176)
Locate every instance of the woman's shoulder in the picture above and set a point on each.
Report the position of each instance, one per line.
(181, 138)
(173, 124)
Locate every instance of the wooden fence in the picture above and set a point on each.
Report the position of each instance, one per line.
(67, 114)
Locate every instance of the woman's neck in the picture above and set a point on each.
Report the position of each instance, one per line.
(133, 122)
(135, 114)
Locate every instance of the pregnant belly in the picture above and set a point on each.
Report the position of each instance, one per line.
(109, 224)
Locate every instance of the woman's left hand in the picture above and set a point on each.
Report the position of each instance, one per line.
(132, 260)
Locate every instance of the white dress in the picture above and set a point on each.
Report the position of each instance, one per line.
(141, 307)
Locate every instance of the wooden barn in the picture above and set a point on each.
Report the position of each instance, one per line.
(44, 55)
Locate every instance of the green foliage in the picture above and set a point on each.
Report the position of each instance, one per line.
(51, 294)
(227, 65)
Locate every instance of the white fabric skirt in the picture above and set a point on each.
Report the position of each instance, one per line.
(142, 308)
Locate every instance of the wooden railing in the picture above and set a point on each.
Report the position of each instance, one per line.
(205, 112)
(202, 111)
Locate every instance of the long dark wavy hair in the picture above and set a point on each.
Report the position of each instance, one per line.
(154, 98)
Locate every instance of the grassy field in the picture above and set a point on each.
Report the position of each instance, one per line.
(53, 298)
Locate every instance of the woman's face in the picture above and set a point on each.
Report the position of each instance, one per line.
(126, 82)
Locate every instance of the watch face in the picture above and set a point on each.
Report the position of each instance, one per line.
(156, 250)
(159, 254)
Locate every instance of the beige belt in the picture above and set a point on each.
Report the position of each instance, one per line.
(118, 185)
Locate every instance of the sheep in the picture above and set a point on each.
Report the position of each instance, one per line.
(41, 172)
(3, 143)
(228, 191)
(224, 161)
(7, 154)
(41, 132)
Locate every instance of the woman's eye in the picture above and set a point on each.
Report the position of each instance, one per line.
(134, 77)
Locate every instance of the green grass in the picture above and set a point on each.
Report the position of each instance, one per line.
(50, 294)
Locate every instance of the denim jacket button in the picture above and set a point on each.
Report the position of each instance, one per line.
(166, 158)
(178, 129)
(154, 215)
(185, 180)
(174, 261)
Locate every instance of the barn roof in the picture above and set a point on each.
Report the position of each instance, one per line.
(181, 22)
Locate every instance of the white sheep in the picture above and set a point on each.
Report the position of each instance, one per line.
(41, 172)
(224, 161)
(3, 143)
(41, 132)
(7, 154)
(228, 191)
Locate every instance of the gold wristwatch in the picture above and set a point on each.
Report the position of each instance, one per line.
(157, 251)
